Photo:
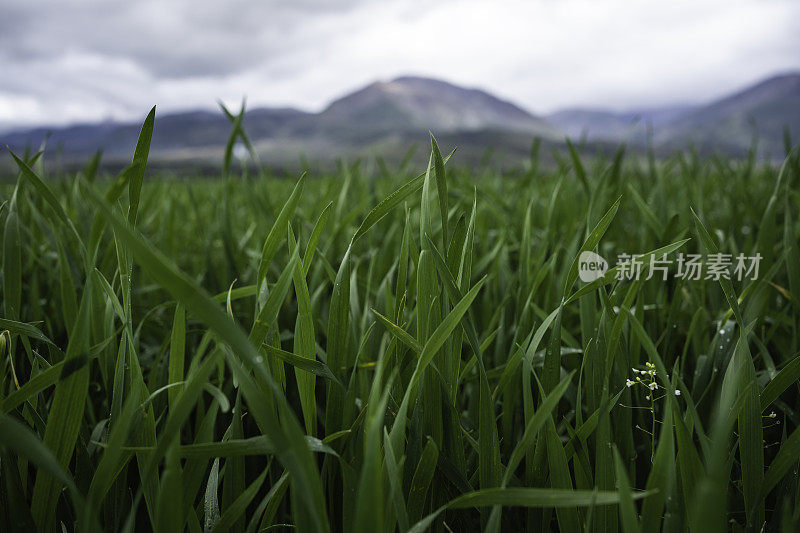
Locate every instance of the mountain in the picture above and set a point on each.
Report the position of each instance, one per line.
(727, 125)
(420, 104)
(620, 126)
(386, 117)
(384, 113)
(764, 109)
(187, 131)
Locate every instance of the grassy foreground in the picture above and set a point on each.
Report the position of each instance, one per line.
(398, 353)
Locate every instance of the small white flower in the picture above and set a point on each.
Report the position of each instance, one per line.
(677, 392)
(629, 383)
(653, 386)
(772, 414)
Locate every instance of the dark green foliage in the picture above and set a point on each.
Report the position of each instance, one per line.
(385, 352)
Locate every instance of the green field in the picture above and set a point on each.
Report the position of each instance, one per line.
(399, 350)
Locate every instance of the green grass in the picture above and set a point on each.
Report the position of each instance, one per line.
(398, 350)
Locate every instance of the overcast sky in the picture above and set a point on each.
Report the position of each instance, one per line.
(64, 61)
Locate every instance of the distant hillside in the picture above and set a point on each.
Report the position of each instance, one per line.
(421, 104)
(624, 126)
(187, 131)
(388, 116)
(380, 114)
(730, 123)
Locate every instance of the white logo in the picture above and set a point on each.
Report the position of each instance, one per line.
(591, 266)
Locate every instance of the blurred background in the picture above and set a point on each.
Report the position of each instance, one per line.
(342, 79)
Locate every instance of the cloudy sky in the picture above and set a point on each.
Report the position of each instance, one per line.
(65, 61)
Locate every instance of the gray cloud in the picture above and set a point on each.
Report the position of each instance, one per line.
(72, 60)
(174, 39)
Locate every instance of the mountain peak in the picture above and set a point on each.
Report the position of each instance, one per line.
(418, 103)
(410, 80)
